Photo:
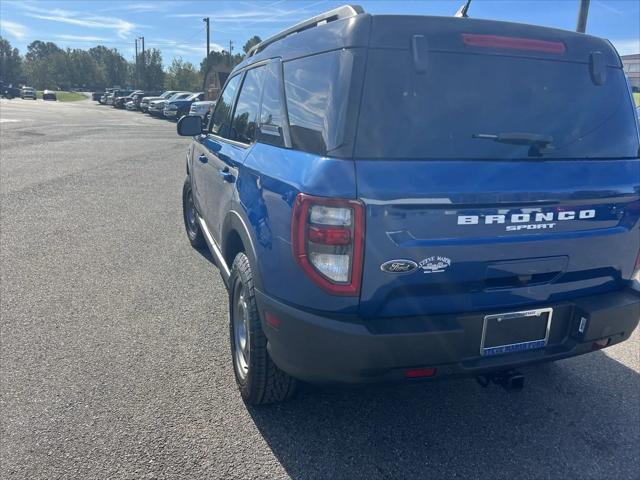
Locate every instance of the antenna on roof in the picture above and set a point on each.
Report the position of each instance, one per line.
(462, 11)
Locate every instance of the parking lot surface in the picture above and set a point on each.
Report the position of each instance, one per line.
(115, 358)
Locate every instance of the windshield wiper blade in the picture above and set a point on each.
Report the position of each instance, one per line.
(518, 138)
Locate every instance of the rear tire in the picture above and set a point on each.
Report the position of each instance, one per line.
(190, 216)
(259, 380)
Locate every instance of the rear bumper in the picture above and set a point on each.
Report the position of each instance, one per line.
(319, 349)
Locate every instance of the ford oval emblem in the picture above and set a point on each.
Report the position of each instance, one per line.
(399, 266)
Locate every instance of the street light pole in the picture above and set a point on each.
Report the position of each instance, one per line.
(206, 20)
(136, 78)
(144, 62)
(583, 12)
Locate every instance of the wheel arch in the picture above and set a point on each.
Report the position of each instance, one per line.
(235, 238)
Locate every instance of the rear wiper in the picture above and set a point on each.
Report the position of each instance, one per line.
(537, 142)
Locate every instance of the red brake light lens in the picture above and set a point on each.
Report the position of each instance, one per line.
(327, 239)
(513, 43)
(329, 236)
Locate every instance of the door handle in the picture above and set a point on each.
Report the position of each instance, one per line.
(202, 158)
(226, 175)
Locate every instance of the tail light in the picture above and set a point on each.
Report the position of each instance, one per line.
(635, 278)
(327, 237)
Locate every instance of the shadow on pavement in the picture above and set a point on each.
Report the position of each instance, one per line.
(579, 418)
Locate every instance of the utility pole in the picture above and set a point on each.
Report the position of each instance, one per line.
(583, 12)
(144, 63)
(206, 20)
(136, 79)
(230, 51)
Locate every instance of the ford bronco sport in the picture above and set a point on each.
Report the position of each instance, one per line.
(410, 197)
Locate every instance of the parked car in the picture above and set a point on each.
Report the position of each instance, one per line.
(156, 107)
(95, 96)
(9, 91)
(49, 95)
(28, 92)
(374, 227)
(144, 102)
(202, 109)
(137, 97)
(109, 99)
(121, 97)
(178, 108)
(103, 98)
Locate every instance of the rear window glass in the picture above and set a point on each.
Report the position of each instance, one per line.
(316, 90)
(441, 112)
(243, 125)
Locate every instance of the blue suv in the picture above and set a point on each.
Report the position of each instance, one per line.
(394, 198)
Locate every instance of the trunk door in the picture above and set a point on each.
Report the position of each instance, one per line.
(483, 235)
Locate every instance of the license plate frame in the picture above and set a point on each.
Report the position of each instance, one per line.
(517, 346)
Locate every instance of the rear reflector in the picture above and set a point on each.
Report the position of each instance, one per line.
(513, 43)
(598, 344)
(420, 372)
(272, 320)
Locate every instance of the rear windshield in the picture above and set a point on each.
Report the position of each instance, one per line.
(457, 107)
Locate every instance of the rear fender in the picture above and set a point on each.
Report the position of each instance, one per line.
(235, 222)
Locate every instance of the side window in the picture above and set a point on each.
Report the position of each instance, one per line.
(272, 115)
(222, 113)
(316, 89)
(245, 116)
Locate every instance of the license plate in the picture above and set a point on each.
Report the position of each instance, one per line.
(515, 331)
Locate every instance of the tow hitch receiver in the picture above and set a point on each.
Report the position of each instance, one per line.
(510, 380)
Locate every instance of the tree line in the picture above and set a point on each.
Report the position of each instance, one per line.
(45, 65)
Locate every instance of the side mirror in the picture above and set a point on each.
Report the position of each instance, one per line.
(189, 126)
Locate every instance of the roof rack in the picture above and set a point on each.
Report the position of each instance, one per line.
(346, 11)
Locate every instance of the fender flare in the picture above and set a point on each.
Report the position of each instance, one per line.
(234, 221)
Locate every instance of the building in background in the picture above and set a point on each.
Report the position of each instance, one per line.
(632, 70)
(214, 81)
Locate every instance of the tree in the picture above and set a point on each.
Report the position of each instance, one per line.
(152, 74)
(10, 63)
(83, 69)
(251, 42)
(45, 65)
(182, 76)
(112, 67)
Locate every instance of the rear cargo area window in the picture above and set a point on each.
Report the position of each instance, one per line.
(470, 106)
(272, 116)
(316, 90)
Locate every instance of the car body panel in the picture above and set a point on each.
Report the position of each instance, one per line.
(448, 240)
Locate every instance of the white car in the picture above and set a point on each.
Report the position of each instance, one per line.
(28, 92)
(144, 103)
(202, 109)
(130, 105)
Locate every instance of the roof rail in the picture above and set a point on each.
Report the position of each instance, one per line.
(339, 13)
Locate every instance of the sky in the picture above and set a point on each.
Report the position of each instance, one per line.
(177, 29)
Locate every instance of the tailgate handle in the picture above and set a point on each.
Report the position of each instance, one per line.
(520, 273)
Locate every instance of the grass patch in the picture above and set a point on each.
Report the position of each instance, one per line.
(64, 96)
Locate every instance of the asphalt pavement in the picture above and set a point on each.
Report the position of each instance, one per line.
(114, 350)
